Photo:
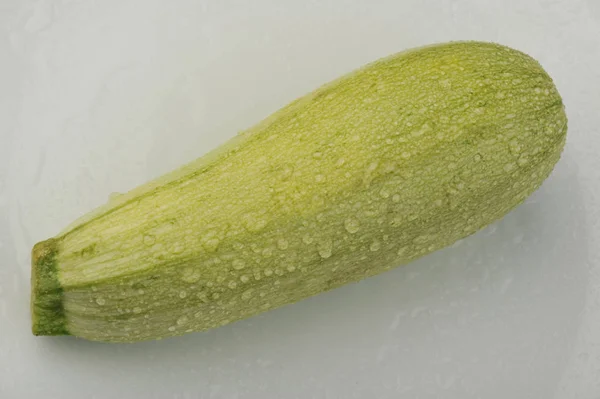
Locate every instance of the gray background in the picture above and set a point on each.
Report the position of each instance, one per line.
(99, 96)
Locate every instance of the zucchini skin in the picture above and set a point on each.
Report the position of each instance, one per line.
(386, 164)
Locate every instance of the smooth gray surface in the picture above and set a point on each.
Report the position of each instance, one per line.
(99, 96)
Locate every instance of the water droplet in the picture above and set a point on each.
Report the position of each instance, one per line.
(268, 272)
(438, 202)
(210, 241)
(375, 246)
(325, 248)
(282, 244)
(100, 301)
(202, 296)
(307, 239)
(149, 240)
(94, 288)
(224, 322)
(172, 328)
(477, 157)
(522, 161)
(319, 178)
(244, 279)
(238, 264)
(372, 167)
(190, 275)
(318, 155)
(422, 239)
(286, 172)
(291, 268)
(137, 310)
(446, 83)
(509, 166)
(515, 147)
(246, 295)
(352, 225)
(182, 320)
(405, 155)
(216, 296)
(256, 274)
(396, 198)
(384, 193)
(182, 294)
(178, 248)
(278, 272)
(340, 162)
(232, 284)
(424, 129)
(402, 251)
(267, 252)
(253, 223)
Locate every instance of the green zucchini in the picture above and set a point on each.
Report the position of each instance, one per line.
(379, 167)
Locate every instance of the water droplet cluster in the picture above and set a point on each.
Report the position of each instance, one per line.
(342, 185)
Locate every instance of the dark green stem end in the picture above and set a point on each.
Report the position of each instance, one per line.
(47, 311)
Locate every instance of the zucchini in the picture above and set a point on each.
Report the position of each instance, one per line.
(386, 164)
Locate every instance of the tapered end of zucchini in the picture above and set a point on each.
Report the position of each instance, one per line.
(47, 312)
